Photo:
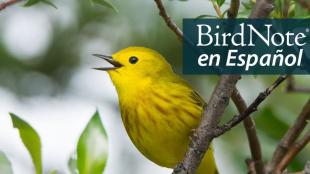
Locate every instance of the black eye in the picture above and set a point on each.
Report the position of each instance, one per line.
(133, 60)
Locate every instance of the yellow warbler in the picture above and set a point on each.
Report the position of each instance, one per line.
(159, 109)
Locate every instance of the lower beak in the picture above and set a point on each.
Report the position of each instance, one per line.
(109, 59)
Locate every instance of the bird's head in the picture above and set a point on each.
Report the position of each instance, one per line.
(135, 64)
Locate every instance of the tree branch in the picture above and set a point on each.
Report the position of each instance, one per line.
(291, 135)
(203, 135)
(251, 166)
(307, 168)
(292, 152)
(292, 87)
(250, 128)
(305, 4)
(252, 108)
(5, 4)
(262, 9)
(194, 156)
(208, 128)
(286, 8)
(167, 19)
(248, 122)
(217, 9)
(233, 9)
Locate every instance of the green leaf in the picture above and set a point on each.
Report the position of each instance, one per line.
(53, 172)
(92, 148)
(267, 119)
(31, 2)
(205, 16)
(224, 13)
(105, 3)
(278, 8)
(49, 3)
(72, 164)
(246, 5)
(220, 2)
(5, 164)
(31, 140)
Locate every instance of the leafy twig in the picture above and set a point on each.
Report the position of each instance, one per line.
(286, 8)
(170, 23)
(217, 9)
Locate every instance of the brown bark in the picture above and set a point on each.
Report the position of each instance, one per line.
(5, 4)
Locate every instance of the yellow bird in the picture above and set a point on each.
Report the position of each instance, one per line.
(158, 108)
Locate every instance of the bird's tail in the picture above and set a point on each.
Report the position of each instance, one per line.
(208, 165)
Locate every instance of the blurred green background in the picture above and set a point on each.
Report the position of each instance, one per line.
(46, 76)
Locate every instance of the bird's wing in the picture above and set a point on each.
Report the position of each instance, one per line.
(198, 99)
(195, 96)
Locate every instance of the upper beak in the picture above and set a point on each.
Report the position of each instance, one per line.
(109, 59)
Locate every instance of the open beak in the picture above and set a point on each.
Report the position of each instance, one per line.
(109, 59)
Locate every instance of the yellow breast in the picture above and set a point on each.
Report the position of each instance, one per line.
(160, 120)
